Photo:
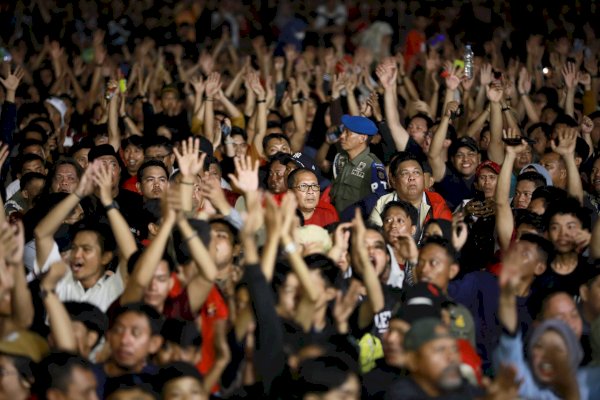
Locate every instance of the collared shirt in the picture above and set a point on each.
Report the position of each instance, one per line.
(104, 292)
(432, 206)
(357, 178)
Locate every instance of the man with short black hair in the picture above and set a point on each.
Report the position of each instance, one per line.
(152, 179)
(64, 376)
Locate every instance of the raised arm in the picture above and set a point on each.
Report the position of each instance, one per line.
(118, 224)
(299, 137)
(273, 218)
(496, 147)
(146, 265)
(213, 85)
(435, 155)
(362, 263)
(570, 76)
(524, 87)
(387, 73)
(58, 316)
(261, 112)
(504, 216)
(47, 227)
(567, 139)
(22, 306)
(114, 133)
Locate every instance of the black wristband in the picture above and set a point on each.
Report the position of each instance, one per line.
(111, 206)
(261, 101)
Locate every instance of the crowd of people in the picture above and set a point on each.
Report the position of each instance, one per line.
(299, 200)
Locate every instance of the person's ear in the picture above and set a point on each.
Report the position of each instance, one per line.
(153, 228)
(138, 186)
(454, 269)
(413, 230)
(539, 269)
(447, 143)
(25, 194)
(107, 256)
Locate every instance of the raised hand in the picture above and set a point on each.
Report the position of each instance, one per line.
(338, 84)
(256, 86)
(373, 102)
(387, 73)
(486, 76)
(198, 85)
(345, 305)
(511, 133)
(246, 174)
(460, 231)
(213, 84)
(103, 180)
(13, 237)
(494, 92)
(569, 74)
(567, 139)
(189, 160)
(454, 76)
(524, 84)
(505, 385)
(12, 80)
(86, 183)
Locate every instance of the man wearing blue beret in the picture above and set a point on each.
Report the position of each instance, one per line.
(357, 172)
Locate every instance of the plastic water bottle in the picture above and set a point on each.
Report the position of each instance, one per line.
(468, 62)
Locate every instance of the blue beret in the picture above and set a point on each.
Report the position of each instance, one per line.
(360, 125)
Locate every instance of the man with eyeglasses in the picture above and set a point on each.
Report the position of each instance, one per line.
(407, 179)
(159, 148)
(303, 183)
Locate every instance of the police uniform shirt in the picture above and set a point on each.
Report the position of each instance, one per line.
(357, 178)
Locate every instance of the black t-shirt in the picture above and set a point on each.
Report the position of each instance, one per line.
(454, 188)
(550, 281)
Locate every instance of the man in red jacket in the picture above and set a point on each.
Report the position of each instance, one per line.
(406, 177)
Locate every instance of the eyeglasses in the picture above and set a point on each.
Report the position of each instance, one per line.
(303, 187)
(157, 157)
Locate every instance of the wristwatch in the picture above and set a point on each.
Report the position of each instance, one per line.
(111, 206)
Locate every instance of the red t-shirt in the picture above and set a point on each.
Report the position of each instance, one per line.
(213, 310)
(129, 184)
(324, 215)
